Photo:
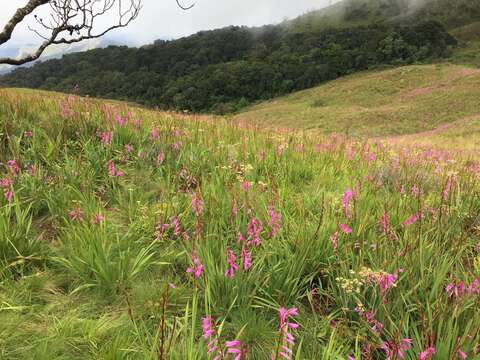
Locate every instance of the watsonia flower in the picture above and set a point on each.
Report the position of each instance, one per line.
(427, 354)
(197, 267)
(231, 261)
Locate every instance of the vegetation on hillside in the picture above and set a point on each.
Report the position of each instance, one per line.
(392, 102)
(224, 70)
(130, 234)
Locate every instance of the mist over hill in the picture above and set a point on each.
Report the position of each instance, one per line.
(226, 69)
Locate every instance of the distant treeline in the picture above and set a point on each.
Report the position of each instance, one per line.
(224, 70)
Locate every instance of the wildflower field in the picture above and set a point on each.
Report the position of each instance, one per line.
(133, 234)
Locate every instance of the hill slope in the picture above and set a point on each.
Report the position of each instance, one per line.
(397, 101)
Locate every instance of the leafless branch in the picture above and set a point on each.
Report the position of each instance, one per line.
(71, 21)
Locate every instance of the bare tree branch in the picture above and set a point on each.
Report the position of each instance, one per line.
(71, 21)
(18, 17)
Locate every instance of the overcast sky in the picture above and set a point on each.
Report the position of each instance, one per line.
(163, 19)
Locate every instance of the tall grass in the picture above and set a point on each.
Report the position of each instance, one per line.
(129, 234)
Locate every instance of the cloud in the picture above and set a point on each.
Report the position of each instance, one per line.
(162, 19)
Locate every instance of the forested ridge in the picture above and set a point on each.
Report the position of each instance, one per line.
(226, 69)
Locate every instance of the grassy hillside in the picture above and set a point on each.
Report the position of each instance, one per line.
(131, 234)
(396, 101)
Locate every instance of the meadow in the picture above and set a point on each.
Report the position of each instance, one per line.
(132, 234)
(391, 102)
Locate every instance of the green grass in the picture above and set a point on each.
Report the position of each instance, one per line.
(74, 285)
(397, 101)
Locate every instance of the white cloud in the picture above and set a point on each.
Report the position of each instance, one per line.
(163, 19)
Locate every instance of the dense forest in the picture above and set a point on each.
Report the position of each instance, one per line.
(224, 70)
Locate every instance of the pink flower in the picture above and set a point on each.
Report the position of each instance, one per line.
(415, 190)
(275, 221)
(112, 170)
(455, 290)
(120, 120)
(128, 148)
(347, 196)
(246, 258)
(197, 204)
(27, 134)
(209, 334)
(234, 347)
(105, 137)
(76, 215)
(386, 282)
(197, 267)
(334, 240)
(394, 351)
(233, 267)
(461, 354)
(245, 185)
(345, 228)
(474, 287)
(99, 218)
(254, 228)
(208, 327)
(160, 158)
(412, 219)
(175, 223)
(154, 134)
(8, 195)
(287, 340)
(427, 354)
(13, 167)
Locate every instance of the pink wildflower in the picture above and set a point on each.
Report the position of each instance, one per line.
(76, 215)
(99, 218)
(345, 228)
(128, 148)
(245, 185)
(347, 196)
(27, 134)
(427, 354)
(105, 137)
(415, 191)
(160, 158)
(254, 228)
(246, 258)
(175, 223)
(474, 287)
(235, 348)
(112, 170)
(334, 240)
(275, 221)
(197, 204)
(369, 317)
(231, 261)
(412, 219)
(120, 120)
(386, 282)
(13, 167)
(209, 334)
(287, 338)
(394, 351)
(197, 267)
(455, 290)
(461, 354)
(8, 195)
(154, 134)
